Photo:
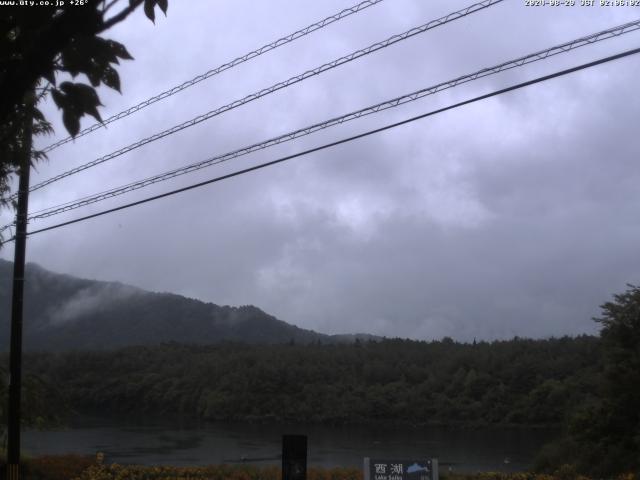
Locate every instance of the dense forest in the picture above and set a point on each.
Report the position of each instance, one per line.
(589, 386)
(517, 382)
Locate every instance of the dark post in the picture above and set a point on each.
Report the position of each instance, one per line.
(15, 355)
(294, 457)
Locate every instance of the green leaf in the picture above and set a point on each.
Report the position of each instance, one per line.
(111, 78)
(76, 57)
(67, 87)
(81, 99)
(87, 99)
(102, 51)
(148, 10)
(94, 77)
(93, 111)
(58, 98)
(163, 4)
(119, 50)
(91, 55)
(71, 122)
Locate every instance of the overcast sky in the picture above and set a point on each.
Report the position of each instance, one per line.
(518, 215)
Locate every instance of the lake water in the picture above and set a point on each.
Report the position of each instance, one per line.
(161, 441)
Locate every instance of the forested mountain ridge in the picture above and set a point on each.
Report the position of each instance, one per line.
(516, 382)
(63, 312)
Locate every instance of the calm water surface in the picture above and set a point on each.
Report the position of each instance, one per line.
(161, 441)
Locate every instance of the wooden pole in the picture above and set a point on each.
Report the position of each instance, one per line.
(15, 353)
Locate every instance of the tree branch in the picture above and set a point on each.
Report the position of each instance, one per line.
(108, 7)
(120, 16)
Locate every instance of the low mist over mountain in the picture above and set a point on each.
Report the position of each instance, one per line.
(64, 312)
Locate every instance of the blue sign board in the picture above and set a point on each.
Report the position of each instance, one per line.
(381, 469)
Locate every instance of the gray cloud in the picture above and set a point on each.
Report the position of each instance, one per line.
(514, 216)
(91, 300)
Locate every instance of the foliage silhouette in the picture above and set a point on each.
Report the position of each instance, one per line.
(40, 43)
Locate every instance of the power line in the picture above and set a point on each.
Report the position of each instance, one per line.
(524, 60)
(278, 86)
(344, 140)
(225, 66)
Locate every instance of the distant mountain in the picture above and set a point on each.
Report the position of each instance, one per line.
(68, 313)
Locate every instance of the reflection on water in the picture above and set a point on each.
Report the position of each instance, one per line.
(159, 441)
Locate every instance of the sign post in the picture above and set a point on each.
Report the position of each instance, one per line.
(294, 457)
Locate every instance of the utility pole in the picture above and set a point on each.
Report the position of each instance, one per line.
(15, 355)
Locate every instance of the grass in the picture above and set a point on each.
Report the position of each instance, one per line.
(79, 467)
